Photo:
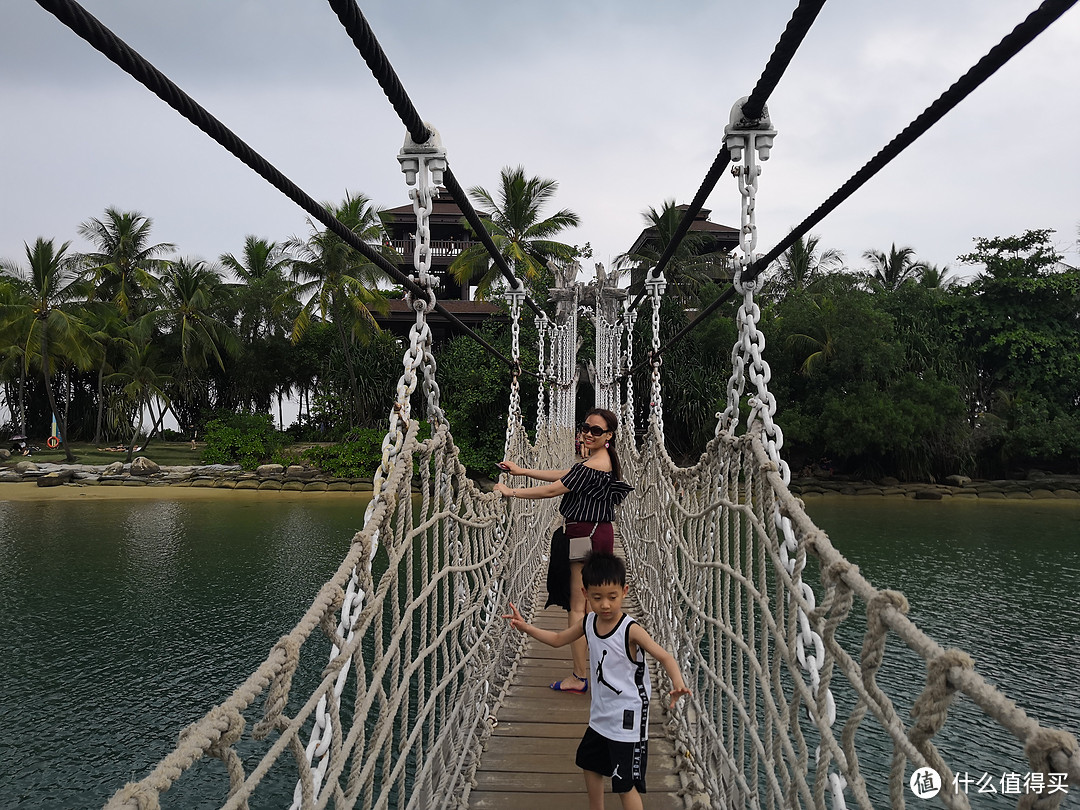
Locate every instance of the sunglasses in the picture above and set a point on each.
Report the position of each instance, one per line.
(595, 430)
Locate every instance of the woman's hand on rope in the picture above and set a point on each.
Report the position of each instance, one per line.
(510, 467)
(504, 490)
(517, 621)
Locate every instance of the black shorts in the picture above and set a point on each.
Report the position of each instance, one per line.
(624, 762)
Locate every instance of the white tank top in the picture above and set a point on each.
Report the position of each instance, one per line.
(620, 687)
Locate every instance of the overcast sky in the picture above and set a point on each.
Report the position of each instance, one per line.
(623, 102)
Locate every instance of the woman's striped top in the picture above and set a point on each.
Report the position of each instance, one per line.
(593, 495)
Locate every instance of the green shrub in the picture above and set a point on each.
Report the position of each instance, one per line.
(356, 457)
(245, 439)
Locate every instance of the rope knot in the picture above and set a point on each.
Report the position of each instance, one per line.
(136, 796)
(932, 705)
(277, 695)
(233, 729)
(1052, 751)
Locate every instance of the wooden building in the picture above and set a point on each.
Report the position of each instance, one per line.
(449, 237)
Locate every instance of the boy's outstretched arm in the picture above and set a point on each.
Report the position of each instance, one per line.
(642, 639)
(549, 637)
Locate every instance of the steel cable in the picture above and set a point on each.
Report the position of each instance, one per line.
(90, 29)
(1035, 23)
(795, 32)
(362, 36)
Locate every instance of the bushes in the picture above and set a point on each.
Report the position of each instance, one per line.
(244, 439)
(357, 456)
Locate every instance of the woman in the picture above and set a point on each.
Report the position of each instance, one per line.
(590, 491)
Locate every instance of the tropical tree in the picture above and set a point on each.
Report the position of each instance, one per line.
(46, 321)
(191, 303)
(123, 265)
(338, 284)
(803, 263)
(692, 265)
(935, 277)
(890, 270)
(523, 236)
(142, 380)
(265, 298)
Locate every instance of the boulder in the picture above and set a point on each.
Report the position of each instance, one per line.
(26, 466)
(144, 466)
(958, 480)
(5, 454)
(55, 479)
(269, 469)
(116, 468)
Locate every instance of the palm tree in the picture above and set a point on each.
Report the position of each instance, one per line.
(936, 277)
(265, 297)
(339, 282)
(523, 239)
(265, 310)
(892, 269)
(690, 267)
(191, 299)
(46, 320)
(804, 263)
(122, 268)
(141, 381)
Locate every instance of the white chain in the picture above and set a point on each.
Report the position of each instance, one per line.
(424, 163)
(748, 142)
(656, 286)
(542, 326)
(515, 298)
(629, 319)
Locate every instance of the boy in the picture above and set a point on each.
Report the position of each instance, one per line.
(616, 742)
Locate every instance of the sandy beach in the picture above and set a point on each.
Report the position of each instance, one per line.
(32, 492)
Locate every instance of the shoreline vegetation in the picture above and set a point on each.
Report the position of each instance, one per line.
(145, 479)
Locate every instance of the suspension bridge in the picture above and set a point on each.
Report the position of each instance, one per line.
(421, 684)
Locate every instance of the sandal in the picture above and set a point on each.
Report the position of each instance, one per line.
(558, 686)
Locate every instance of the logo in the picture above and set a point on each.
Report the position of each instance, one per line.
(925, 783)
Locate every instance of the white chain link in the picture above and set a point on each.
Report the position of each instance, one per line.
(423, 167)
(748, 142)
(543, 324)
(656, 284)
(515, 297)
(629, 321)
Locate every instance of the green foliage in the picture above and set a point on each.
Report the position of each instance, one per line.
(244, 439)
(356, 457)
(476, 397)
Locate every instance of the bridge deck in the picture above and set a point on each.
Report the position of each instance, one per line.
(529, 762)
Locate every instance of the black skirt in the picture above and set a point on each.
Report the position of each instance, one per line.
(558, 573)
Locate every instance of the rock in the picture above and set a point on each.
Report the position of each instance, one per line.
(116, 468)
(144, 466)
(295, 469)
(26, 466)
(269, 469)
(958, 480)
(5, 454)
(889, 481)
(55, 479)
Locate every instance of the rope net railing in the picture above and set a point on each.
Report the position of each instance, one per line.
(419, 658)
(787, 708)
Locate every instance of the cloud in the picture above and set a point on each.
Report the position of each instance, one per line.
(623, 103)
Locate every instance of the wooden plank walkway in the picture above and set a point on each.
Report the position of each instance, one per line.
(528, 763)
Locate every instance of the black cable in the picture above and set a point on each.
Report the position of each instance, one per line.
(360, 32)
(89, 28)
(1035, 23)
(798, 26)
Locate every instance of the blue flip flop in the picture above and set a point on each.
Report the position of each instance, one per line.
(557, 686)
